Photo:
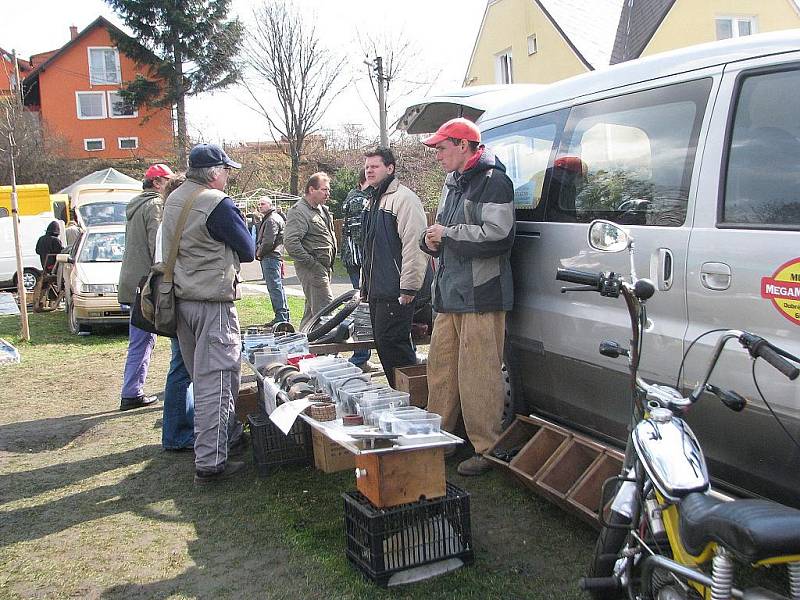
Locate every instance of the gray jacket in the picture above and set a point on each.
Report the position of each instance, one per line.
(143, 216)
(308, 236)
(269, 242)
(206, 270)
(473, 270)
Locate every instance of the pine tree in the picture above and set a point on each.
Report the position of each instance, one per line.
(189, 44)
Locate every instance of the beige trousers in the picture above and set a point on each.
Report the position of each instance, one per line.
(464, 374)
(316, 288)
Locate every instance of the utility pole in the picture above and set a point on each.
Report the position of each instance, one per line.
(381, 101)
(23, 301)
(18, 83)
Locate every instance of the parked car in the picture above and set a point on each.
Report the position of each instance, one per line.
(31, 228)
(102, 203)
(91, 272)
(697, 152)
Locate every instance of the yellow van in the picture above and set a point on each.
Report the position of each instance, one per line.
(32, 199)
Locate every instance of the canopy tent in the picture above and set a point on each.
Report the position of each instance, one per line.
(109, 175)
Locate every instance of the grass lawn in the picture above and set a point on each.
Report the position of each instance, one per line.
(91, 507)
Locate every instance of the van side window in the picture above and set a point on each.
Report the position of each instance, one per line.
(526, 148)
(762, 181)
(629, 159)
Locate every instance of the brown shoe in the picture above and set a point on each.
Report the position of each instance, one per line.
(477, 465)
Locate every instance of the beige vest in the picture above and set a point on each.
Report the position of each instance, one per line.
(205, 270)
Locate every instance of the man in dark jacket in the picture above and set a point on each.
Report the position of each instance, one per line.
(472, 290)
(269, 250)
(143, 215)
(394, 269)
(49, 245)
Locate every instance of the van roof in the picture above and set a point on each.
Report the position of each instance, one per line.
(104, 192)
(649, 68)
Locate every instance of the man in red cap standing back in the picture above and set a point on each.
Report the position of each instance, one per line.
(472, 287)
(143, 216)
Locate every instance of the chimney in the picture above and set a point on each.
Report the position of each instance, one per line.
(73, 32)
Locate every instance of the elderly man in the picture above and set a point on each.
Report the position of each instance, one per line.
(143, 215)
(310, 241)
(269, 250)
(394, 267)
(213, 242)
(472, 289)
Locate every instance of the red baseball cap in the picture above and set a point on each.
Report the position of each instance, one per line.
(158, 170)
(460, 129)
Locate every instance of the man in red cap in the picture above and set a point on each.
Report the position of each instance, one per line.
(143, 216)
(472, 287)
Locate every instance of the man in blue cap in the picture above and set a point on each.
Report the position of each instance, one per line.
(212, 243)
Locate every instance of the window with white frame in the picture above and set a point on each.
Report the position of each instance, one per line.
(734, 27)
(128, 143)
(503, 67)
(91, 105)
(532, 48)
(118, 108)
(94, 144)
(104, 66)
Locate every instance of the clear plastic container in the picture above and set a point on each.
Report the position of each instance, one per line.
(409, 422)
(324, 377)
(260, 340)
(264, 357)
(307, 364)
(334, 383)
(293, 343)
(371, 403)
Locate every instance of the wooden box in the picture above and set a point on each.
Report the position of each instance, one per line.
(392, 478)
(247, 403)
(329, 456)
(414, 380)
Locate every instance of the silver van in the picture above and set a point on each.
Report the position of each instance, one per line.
(697, 152)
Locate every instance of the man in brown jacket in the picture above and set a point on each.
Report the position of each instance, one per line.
(310, 241)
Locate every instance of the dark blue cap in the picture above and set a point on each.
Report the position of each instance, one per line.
(210, 155)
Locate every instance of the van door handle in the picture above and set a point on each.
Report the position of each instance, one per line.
(715, 275)
(665, 269)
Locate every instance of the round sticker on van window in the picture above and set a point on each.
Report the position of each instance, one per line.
(783, 288)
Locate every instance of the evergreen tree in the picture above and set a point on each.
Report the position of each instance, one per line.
(189, 44)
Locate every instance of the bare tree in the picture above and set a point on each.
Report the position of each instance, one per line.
(284, 54)
(402, 71)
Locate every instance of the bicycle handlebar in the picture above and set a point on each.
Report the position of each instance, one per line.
(761, 348)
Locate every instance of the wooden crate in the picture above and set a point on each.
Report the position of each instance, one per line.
(247, 402)
(329, 456)
(414, 380)
(393, 478)
(562, 465)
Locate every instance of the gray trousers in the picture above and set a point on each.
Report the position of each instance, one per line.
(316, 288)
(208, 334)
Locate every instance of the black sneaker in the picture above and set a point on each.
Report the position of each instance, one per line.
(208, 477)
(137, 402)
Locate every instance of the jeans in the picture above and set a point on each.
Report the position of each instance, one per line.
(271, 269)
(359, 356)
(177, 430)
(140, 346)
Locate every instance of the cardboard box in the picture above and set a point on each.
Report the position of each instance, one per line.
(414, 380)
(329, 456)
(247, 403)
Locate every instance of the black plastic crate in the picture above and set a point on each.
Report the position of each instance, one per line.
(383, 542)
(271, 448)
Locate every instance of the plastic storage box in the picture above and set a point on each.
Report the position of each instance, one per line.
(271, 448)
(409, 420)
(383, 543)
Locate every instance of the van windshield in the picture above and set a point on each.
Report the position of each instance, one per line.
(103, 213)
(103, 247)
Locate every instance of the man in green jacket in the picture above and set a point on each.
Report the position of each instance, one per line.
(310, 241)
(143, 215)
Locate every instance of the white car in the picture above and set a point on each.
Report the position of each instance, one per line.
(91, 272)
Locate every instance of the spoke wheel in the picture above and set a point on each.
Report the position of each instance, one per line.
(345, 304)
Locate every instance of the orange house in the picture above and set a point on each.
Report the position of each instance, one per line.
(75, 90)
(8, 75)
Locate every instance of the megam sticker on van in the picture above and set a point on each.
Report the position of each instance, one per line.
(783, 288)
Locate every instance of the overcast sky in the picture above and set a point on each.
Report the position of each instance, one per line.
(443, 30)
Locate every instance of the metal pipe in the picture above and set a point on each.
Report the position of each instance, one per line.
(651, 563)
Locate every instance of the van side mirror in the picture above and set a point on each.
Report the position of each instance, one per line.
(65, 258)
(606, 236)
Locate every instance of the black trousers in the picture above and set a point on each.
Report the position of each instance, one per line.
(391, 330)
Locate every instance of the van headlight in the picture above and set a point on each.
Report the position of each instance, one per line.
(98, 288)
